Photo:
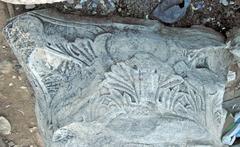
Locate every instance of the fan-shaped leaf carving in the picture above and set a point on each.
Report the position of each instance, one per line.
(170, 93)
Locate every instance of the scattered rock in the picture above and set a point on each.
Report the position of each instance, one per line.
(23, 87)
(5, 127)
(231, 76)
(91, 7)
(78, 6)
(198, 5)
(226, 2)
(10, 84)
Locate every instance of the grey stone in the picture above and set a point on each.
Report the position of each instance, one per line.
(5, 127)
(169, 11)
(2, 143)
(122, 82)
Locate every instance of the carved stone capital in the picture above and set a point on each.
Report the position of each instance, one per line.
(122, 82)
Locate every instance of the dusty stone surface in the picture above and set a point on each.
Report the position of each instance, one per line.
(5, 126)
(119, 84)
(29, 2)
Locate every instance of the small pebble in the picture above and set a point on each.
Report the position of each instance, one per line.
(33, 129)
(231, 76)
(13, 77)
(10, 84)
(23, 87)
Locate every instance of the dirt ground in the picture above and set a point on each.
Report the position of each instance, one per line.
(16, 96)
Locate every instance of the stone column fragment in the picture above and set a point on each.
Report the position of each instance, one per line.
(122, 82)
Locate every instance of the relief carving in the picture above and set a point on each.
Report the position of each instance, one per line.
(108, 83)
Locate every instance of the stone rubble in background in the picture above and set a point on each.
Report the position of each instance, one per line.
(226, 2)
(31, 1)
(92, 7)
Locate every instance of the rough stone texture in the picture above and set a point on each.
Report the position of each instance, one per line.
(28, 2)
(118, 82)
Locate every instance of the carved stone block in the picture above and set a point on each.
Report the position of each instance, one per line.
(122, 82)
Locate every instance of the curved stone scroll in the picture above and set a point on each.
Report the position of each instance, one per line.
(106, 82)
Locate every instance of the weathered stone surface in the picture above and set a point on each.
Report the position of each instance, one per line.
(28, 2)
(5, 127)
(117, 82)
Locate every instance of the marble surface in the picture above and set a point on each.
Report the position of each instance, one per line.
(122, 82)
